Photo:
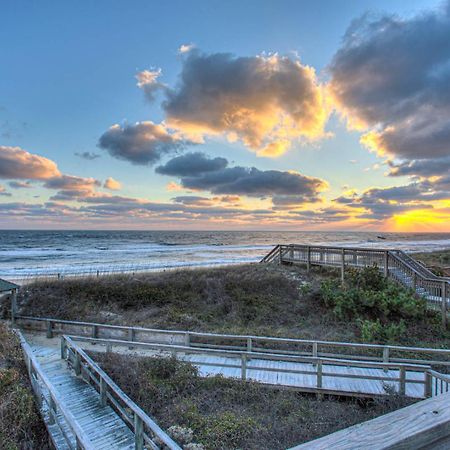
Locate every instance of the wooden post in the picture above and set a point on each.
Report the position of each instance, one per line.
(131, 337)
(187, 339)
(402, 389)
(249, 344)
(243, 367)
(63, 348)
(444, 304)
(386, 357)
(428, 385)
(95, 331)
(52, 410)
(386, 264)
(108, 347)
(49, 329)
(77, 366)
(102, 392)
(138, 433)
(343, 265)
(319, 373)
(314, 349)
(14, 306)
(308, 258)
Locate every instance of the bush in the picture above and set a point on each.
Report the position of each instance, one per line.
(381, 308)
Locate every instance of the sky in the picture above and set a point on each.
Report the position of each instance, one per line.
(296, 115)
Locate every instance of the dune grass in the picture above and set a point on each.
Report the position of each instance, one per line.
(248, 299)
(228, 414)
(21, 427)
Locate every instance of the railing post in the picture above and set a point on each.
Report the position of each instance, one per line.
(102, 392)
(13, 306)
(444, 304)
(386, 357)
(94, 331)
(187, 339)
(308, 258)
(249, 344)
(402, 389)
(49, 329)
(138, 433)
(314, 349)
(63, 348)
(343, 265)
(243, 367)
(428, 385)
(77, 365)
(280, 259)
(108, 347)
(386, 264)
(131, 337)
(319, 373)
(51, 410)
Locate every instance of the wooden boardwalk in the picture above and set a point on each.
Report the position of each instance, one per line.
(103, 426)
(341, 379)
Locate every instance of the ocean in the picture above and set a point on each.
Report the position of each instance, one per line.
(30, 254)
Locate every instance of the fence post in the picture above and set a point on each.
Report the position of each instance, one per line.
(402, 389)
(308, 258)
(187, 339)
(131, 337)
(319, 373)
(280, 259)
(102, 392)
(138, 433)
(314, 349)
(51, 410)
(249, 344)
(386, 357)
(13, 306)
(94, 331)
(343, 265)
(63, 348)
(77, 366)
(386, 264)
(444, 304)
(428, 385)
(243, 367)
(49, 329)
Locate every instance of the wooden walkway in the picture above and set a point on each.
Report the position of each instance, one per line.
(104, 428)
(343, 379)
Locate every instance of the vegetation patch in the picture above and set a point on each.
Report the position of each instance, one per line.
(21, 426)
(219, 413)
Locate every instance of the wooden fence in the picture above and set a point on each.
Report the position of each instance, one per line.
(261, 344)
(146, 431)
(394, 264)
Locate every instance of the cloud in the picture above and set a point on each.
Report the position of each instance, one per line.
(16, 163)
(382, 203)
(90, 156)
(112, 184)
(185, 48)
(143, 143)
(391, 77)
(421, 167)
(264, 101)
(20, 184)
(72, 187)
(208, 175)
(148, 82)
(192, 164)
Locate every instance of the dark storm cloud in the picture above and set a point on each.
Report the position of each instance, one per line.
(143, 143)
(393, 74)
(192, 164)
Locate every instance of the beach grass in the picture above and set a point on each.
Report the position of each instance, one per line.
(249, 299)
(222, 413)
(21, 426)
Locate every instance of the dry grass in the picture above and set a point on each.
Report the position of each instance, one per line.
(249, 299)
(21, 426)
(228, 414)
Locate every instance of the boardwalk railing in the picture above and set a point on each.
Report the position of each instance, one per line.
(52, 405)
(146, 430)
(260, 344)
(394, 264)
(321, 368)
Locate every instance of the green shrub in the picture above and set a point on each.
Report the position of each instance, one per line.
(381, 308)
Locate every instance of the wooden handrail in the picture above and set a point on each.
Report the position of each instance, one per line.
(108, 383)
(34, 366)
(249, 341)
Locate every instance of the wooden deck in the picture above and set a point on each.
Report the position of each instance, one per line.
(100, 423)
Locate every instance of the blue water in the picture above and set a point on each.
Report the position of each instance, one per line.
(26, 254)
